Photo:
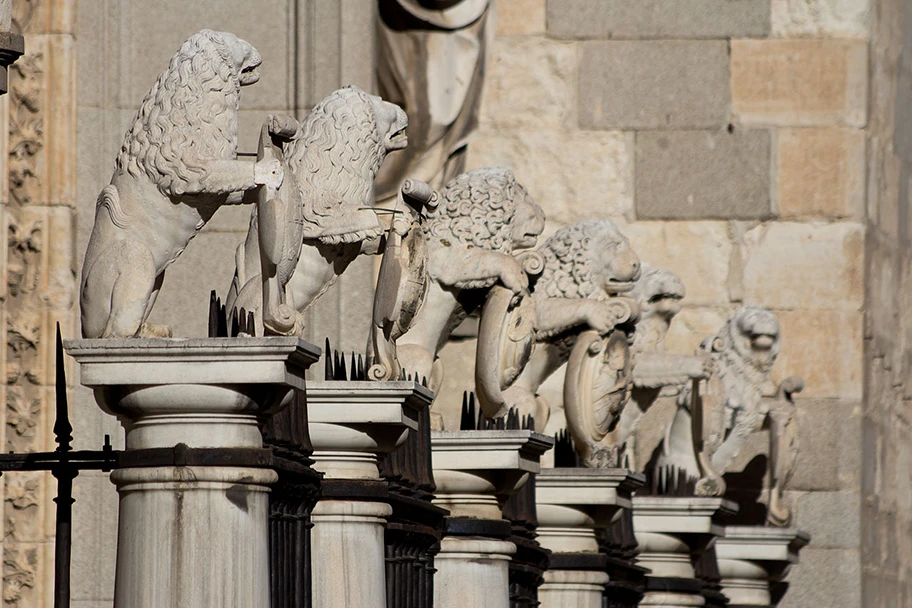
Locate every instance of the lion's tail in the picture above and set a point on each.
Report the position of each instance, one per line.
(239, 279)
(246, 262)
(109, 199)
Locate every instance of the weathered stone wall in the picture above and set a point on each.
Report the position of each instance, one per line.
(887, 449)
(37, 280)
(727, 137)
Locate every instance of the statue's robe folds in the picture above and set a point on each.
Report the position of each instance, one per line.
(431, 62)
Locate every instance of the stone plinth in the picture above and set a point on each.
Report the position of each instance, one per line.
(474, 472)
(670, 532)
(572, 504)
(353, 424)
(752, 558)
(194, 491)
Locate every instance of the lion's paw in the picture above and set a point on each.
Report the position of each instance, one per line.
(148, 330)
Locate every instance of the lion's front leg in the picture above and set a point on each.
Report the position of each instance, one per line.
(461, 266)
(228, 176)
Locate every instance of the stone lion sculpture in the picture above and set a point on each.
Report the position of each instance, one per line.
(734, 406)
(177, 165)
(658, 294)
(483, 217)
(330, 162)
(587, 268)
(743, 352)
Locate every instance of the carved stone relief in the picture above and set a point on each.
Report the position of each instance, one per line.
(20, 573)
(26, 129)
(37, 289)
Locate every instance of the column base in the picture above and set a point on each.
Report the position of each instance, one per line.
(472, 572)
(572, 589)
(201, 530)
(349, 554)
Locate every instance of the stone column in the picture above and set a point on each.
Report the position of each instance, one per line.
(671, 531)
(194, 481)
(352, 424)
(752, 559)
(572, 504)
(475, 471)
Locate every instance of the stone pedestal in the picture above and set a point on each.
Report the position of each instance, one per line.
(572, 505)
(475, 471)
(352, 424)
(753, 558)
(671, 532)
(194, 481)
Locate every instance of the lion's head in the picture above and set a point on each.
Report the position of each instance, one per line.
(334, 157)
(487, 208)
(589, 259)
(743, 353)
(658, 293)
(189, 117)
(751, 335)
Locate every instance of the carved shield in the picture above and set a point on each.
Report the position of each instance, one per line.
(280, 230)
(598, 382)
(401, 289)
(402, 284)
(506, 337)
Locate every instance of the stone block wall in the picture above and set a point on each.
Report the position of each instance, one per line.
(729, 139)
(886, 425)
(37, 281)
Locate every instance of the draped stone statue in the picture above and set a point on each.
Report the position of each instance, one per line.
(583, 320)
(431, 61)
(477, 235)
(177, 165)
(304, 234)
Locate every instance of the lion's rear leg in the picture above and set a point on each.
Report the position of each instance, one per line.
(148, 330)
(117, 291)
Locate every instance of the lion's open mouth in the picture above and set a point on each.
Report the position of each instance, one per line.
(614, 286)
(249, 74)
(763, 341)
(527, 241)
(398, 139)
(659, 297)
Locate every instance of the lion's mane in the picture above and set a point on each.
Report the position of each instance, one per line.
(732, 344)
(568, 260)
(653, 325)
(740, 370)
(189, 117)
(656, 282)
(334, 156)
(477, 209)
